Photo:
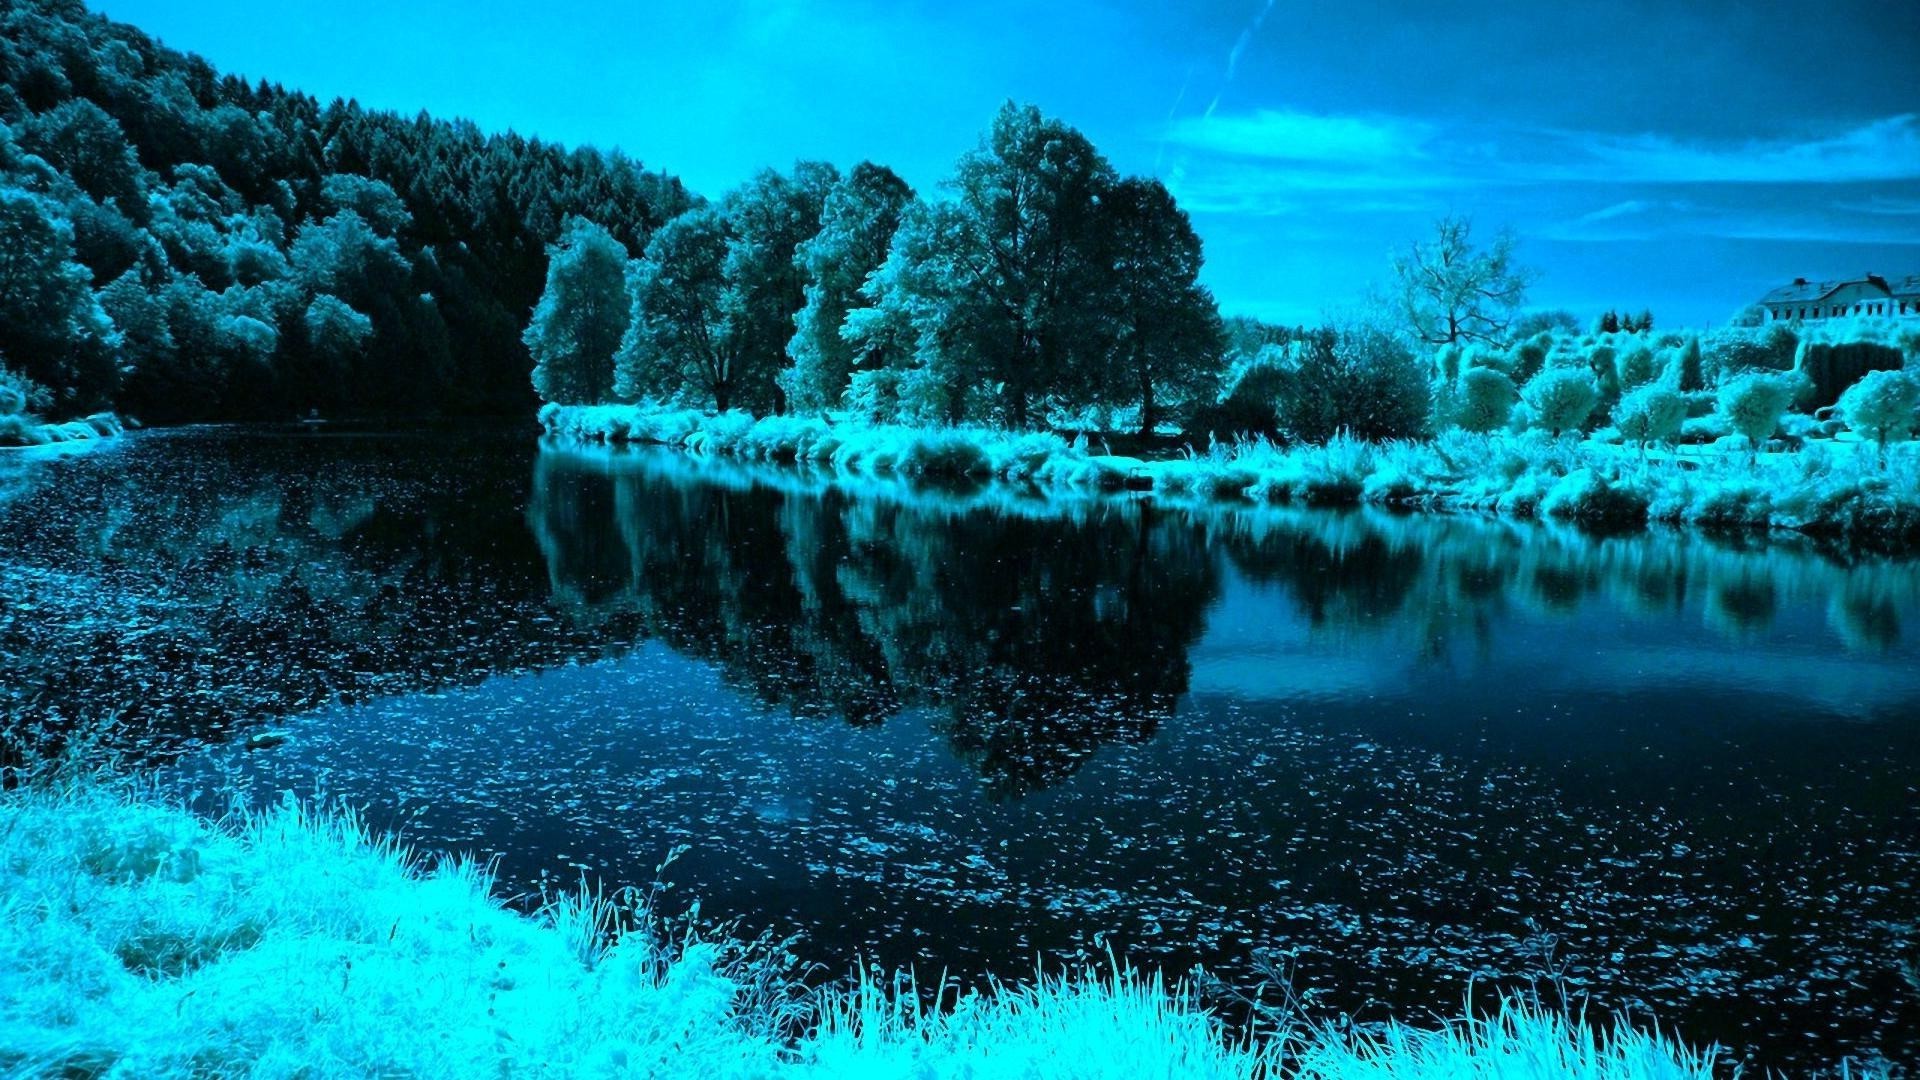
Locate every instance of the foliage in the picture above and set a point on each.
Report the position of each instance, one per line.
(1560, 399)
(1753, 404)
(1485, 399)
(1824, 489)
(1357, 378)
(581, 317)
(142, 176)
(1884, 404)
(1651, 413)
(857, 224)
(1831, 366)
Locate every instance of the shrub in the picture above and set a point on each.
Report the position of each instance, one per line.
(1831, 368)
(1731, 352)
(1684, 369)
(1526, 358)
(1560, 399)
(1484, 399)
(1752, 405)
(1359, 379)
(1650, 414)
(1636, 367)
(1883, 404)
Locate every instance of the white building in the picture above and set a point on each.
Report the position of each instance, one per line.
(1868, 295)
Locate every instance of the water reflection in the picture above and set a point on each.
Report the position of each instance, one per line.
(1045, 629)
(1036, 643)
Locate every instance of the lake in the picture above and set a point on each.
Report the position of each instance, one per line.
(1391, 760)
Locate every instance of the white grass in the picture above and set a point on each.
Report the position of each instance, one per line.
(141, 941)
(1829, 487)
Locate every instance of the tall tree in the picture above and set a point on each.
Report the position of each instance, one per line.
(1452, 292)
(768, 219)
(581, 318)
(682, 335)
(1167, 335)
(1030, 254)
(857, 224)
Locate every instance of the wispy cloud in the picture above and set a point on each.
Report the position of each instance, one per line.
(1617, 210)
(1652, 219)
(1886, 149)
(1284, 135)
(1881, 204)
(1420, 154)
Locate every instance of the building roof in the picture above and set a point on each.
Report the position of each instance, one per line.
(1804, 291)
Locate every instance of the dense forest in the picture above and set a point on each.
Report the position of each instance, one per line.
(183, 245)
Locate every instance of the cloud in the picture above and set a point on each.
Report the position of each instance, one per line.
(1887, 149)
(1284, 135)
(1726, 219)
(1419, 154)
(1881, 204)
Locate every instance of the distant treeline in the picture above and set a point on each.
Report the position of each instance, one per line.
(184, 245)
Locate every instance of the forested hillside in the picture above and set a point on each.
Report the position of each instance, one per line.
(183, 245)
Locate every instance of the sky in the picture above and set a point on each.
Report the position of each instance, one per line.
(1682, 157)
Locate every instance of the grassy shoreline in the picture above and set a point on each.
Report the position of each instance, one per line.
(149, 942)
(17, 430)
(1845, 490)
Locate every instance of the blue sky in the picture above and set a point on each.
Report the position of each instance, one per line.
(1681, 156)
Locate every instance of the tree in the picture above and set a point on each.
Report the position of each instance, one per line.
(1028, 259)
(681, 334)
(1484, 399)
(1651, 413)
(1560, 399)
(768, 219)
(1753, 404)
(87, 144)
(581, 318)
(52, 328)
(857, 224)
(1357, 378)
(913, 336)
(1452, 293)
(1684, 371)
(1168, 336)
(1883, 404)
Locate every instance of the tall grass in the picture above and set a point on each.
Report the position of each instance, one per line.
(1827, 488)
(142, 941)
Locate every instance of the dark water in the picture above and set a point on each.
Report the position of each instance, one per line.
(1390, 758)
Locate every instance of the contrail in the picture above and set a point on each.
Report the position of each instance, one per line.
(1239, 47)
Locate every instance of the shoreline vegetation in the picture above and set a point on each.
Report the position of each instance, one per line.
(18, 430)
(1845, 490)
(149, 941)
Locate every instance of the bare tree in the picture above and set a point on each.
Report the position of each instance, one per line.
(1453, 293)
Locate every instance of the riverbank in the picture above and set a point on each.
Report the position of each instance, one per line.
(147, 941)
(1829, 489)
(20, 430)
